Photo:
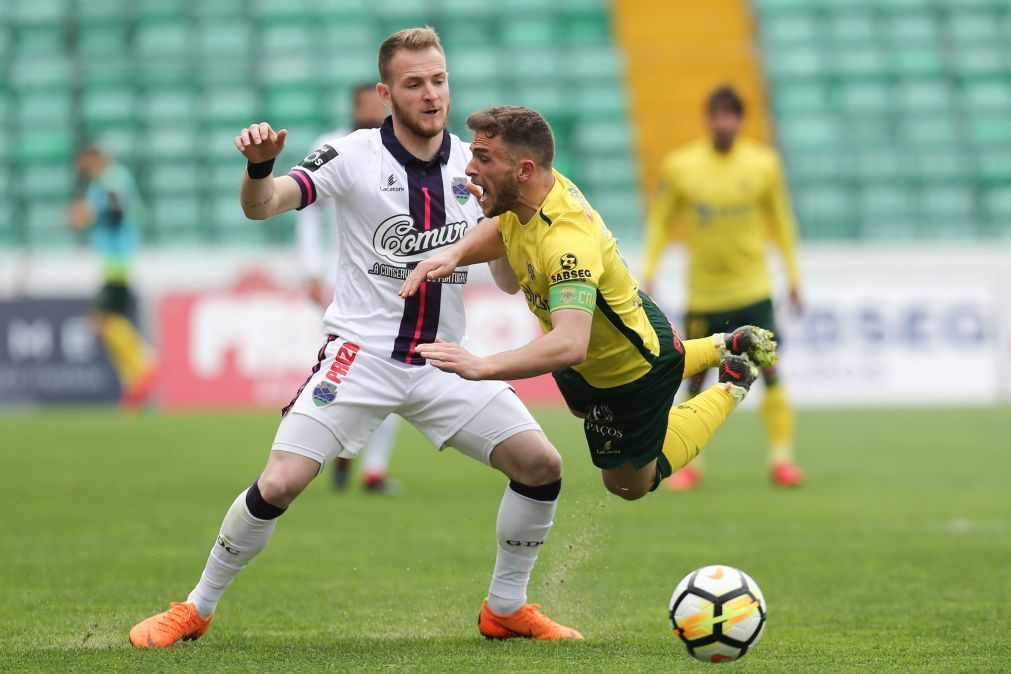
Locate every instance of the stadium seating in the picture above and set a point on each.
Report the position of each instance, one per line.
(165, 86)
(893, 115)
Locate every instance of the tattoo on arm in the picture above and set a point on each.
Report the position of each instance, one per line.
(256, 204)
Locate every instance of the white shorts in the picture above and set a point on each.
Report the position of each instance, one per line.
(350, 392)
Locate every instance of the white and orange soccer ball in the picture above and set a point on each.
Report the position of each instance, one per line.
(718, 612)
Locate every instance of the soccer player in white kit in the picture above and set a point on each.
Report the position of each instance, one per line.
(316, 235)
(402, 194)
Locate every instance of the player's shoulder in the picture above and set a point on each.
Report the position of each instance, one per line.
(758, 151)
(687, 154)
(356, 145)
(458, 149)
(567, 213)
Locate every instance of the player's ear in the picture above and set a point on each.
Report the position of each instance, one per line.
(527, 168)
(383, 91)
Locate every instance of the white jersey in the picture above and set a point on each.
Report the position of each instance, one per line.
(316, 226)
(393, 210)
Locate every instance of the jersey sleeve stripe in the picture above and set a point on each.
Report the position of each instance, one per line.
(306, 185)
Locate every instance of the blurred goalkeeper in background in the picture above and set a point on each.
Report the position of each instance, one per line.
(109, 209)
(724, 195)
(315, 233)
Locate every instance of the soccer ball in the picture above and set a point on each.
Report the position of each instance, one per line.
(719, 612)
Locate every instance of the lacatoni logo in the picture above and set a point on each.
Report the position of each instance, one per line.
(397, 240)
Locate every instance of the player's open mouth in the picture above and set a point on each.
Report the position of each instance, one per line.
(431, 113)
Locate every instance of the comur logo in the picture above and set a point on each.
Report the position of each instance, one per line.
(397, 240)
(600, 413)
(524, 544)
(228, 546)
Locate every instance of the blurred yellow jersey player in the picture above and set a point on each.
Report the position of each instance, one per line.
(616, 358)
(725, 195)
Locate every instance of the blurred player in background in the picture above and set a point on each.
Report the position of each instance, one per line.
(109, 210)
(315, 233)
(614, 355)
(726, 192)
(401, 194)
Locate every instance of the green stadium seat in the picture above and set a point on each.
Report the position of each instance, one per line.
(908, 29)
(819, 166)
(39, 72)
(178, 221)
(400, 10)
(915, 61)
(167, 105)
(37, 12)
(603, 136)
(230, 9)
(951, 202)
(269, 11)
(929, 131)
(617, 171)
(549, 101)
(479, 65)
(599, 102)
(802, 97)
(219, 38)
(830, 206)
(929, 95)
(181, 144)
(533, 65)
(102, 12)
(532, 31)
(598, 63)
(783, 28)
(793, 63)
(184, 178)
(292, 68)
(997, 204)
(105, 71)
(859, 61)
(804, 131)
(46, 226)
(879, 203)
(876, 165)
(225, 107)
(853, 28)
(466, 10)
(940, 166)
(284, 38)
(870, 130)
(122, 142)
(42, 110)
(971, 28)
(156, 10)
(585, 30)
(988, 129)
(990, 96)
(980, 61)
(108, 106)
(861, 98)
(163, 40)
(888, 229)
(50, 183)
(102, 41)
(620, 210)
(294, 105)
(465, 32)
(994, 165)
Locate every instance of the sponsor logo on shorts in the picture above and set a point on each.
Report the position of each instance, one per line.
(601, 429)
(346, 354)
(324, 393)
(600, 413)
(597, 421)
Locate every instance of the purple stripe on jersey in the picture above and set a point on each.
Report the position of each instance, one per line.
(306, 185)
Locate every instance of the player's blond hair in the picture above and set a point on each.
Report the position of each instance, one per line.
(519, 128)
(414, 39)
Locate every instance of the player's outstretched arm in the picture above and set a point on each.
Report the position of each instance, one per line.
(261, 194)
(504, 276)
(563, 347)
(481, 244)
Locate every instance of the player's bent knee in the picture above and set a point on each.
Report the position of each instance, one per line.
(625, 492)
(284, 478)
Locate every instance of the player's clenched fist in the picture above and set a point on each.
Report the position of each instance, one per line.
(260, 143)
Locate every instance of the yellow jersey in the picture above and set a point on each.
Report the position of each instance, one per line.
(566, 258)
(725, 204)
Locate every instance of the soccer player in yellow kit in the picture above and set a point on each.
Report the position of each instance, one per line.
(726, 194)
(615, 357)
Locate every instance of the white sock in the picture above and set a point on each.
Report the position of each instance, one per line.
(523, 524)
(242, 537)
(376, 457)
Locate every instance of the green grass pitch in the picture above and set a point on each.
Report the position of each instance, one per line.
(895, 557)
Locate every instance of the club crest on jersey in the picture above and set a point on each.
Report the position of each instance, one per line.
(324, 394)
(460, 190)
(397, 240)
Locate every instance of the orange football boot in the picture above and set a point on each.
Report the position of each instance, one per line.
(787, 475)
(528, 622)
(181, 622)
(684, 479)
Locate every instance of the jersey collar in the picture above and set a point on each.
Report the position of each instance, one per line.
(402, 154)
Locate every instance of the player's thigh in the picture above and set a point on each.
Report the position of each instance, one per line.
(629, 482)
(349, 394)
(439, 404)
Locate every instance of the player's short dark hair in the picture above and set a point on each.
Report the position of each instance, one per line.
(519, 128)
(361, 89)
(725, 97)
(413, 39)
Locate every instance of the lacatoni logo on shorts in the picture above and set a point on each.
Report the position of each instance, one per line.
(397, 240)
(324, 394)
